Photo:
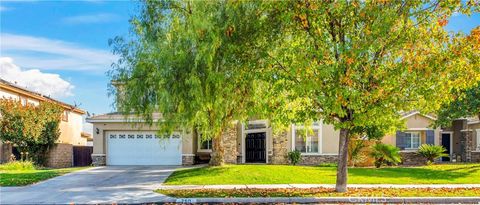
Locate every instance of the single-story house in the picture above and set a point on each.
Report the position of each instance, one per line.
(70, 125)
(120, 140)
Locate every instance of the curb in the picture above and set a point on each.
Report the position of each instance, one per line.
(314, 200)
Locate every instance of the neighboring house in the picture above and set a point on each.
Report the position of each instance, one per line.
(70, 125)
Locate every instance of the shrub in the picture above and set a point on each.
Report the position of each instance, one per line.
(385, 154)
(18, 165)
(294, 156)
(432, 152)
(355, 151)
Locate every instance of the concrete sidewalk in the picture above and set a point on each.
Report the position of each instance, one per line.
(332, 200)
(307, 186)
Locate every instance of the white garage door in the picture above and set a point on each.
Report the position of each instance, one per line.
(143, 148)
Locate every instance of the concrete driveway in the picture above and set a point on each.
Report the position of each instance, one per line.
(112, 184)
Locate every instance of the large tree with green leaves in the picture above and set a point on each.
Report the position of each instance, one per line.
(358, 64)
(33, 129)
(466, 104)
(189, 60)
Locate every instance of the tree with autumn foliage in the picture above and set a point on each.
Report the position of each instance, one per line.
(32, 129)
(358, 64)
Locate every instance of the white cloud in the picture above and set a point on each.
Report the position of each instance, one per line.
(42, 53)
(45, 83)
(91, 18)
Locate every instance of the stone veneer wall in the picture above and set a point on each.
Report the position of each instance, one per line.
(230, 144)
(279, 149)
(475, 156)
(466, 145)
(60, 156)
(99, 160)
(188, 160)
(412, 158)
(318, 159)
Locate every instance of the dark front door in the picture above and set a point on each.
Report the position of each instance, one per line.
(255, 148)
(446, 144)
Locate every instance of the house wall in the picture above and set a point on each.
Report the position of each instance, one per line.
(415, 123)
(70, 131)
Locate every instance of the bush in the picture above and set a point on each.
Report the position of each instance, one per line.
(295, 157)
(432, 152)
(355, 152)
(18, 165)
(385, 154)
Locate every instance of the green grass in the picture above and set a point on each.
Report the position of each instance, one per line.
(323, 192)
(286, 174)
(25, 177)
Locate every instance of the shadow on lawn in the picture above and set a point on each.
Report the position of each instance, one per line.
(416, 173)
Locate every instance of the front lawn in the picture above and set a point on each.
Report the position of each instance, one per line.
(286, 174)
(21, 177)
(322, 192)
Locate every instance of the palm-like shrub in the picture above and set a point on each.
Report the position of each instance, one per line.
(385, 154)
(432, 152)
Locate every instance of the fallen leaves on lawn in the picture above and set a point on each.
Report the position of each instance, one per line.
(322, 192)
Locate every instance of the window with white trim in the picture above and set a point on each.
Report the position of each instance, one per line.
(205, 145)
(412, 140)
(307, 141)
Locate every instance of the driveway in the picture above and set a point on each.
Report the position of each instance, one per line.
(112, 184)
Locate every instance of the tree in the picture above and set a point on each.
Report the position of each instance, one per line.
(34, 129)
(189, 60)
(358, 64)
(466, 104)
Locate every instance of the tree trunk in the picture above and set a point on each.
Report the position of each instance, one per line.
(218, 152)
(342, 171)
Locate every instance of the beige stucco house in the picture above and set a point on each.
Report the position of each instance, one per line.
(120, 140)
(70, 125)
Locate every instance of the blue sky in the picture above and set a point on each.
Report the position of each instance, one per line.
(66, 44)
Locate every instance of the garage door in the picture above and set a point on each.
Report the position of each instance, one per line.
(143, 148)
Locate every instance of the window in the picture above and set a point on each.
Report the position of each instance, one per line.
(412, 140)
(307, 140)
(65, 116)
(206, 145)
(139, 136)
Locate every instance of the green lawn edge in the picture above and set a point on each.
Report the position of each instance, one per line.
(27, 177)
(287, 174)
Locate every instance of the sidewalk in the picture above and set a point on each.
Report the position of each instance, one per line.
(307, 186)
(332, 200)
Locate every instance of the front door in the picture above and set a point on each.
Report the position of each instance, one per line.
(446, 143)
(255, 148)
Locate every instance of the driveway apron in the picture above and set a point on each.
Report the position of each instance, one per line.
(111, 184)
